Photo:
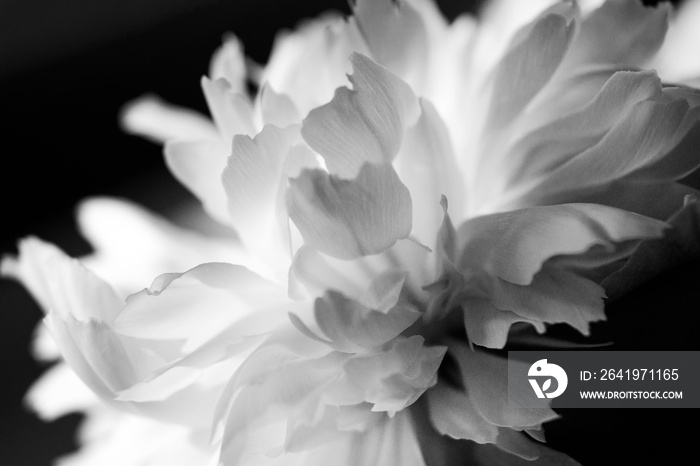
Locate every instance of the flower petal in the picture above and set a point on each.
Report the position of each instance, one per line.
(254, 181)
(228, 62)
(652, 257)
(350, 326)
(551, 145)
(60, 284)
(372, 280)
(198, 165)
(232, 113)
(514, 245)
(395, 378)
(277, 109)
(58, 392)
(653, 129)
(198, 304)
(150, 117)
(518, 444)
(133, 245)
(395, 33)
(427, 166)
(530, 62)
(486, 379)
(553, 296)
(488, 325)
(308, 64)
(452, 413)
(620, 32)
(363, 124)
(677, 59)
(350, 218)
(101, 348)
(391, 442)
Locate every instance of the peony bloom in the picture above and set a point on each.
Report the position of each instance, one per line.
(408, 194)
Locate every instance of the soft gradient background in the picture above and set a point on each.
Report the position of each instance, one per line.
(66, 69)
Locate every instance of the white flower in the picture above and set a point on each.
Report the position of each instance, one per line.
(357, 321)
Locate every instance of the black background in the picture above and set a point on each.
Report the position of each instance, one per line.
(66, 69)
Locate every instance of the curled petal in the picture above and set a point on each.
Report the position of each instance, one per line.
(198, 304)
(488, 325)
(133, 245)
(514, 245)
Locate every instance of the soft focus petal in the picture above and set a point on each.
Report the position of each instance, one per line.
(621, 32)
(395, 33)
(152, 118)
(62, 285)
(678, 60)
(228, 62)
(114, 439)
(133, 245)
(232, 112)
(195, 164)
(315, 53)
(277, 109)
(58, 392)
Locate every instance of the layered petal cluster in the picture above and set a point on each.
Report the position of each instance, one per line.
(405, 191)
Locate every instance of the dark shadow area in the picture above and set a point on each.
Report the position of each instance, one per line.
(661, 315)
